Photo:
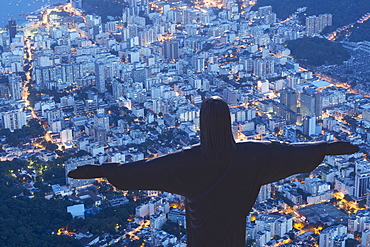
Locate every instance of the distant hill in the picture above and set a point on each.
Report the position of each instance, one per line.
(344, 11)
(103, 8)
(316, 51)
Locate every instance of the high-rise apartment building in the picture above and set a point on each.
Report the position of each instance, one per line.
(102, 120)
(67, 73)
(315, 24)
(288, 98)
(263, 67)
(266, 13)
(365, 237)
(100, 76)
(12, 29)
(311, 103)
(362, 179)
(264, 193)
(199, 63)
(14, 119)
(309, 125)
(118, 89)
(100, 135)
(15, 84)
(327, 235)
(171, 49)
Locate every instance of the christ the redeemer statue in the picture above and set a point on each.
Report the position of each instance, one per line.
(219, 178)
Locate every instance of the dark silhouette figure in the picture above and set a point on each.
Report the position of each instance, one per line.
(219, 178)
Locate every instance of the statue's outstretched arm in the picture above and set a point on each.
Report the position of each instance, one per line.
(152, 174)
(87, 171)
(288, 159)
(341, 147)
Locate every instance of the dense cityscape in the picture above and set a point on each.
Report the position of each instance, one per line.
(82, 88)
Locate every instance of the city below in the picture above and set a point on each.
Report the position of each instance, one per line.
(79, 87)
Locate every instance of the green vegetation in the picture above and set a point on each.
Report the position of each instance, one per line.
(344, 11)
(103, 222)
(360, 32)
(49, 145)
(31, 130)
(29, 222)
(174, 229)
(35, 222)
(103, 7)
(34, 95)
(317, 52)
(251, 242)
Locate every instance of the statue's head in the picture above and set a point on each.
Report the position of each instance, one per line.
(216, 137)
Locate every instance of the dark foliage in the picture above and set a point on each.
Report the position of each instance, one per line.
(31, 130)
(360, 32)
(49, 146)
(317, 52)
(34, 95)
(103, 7)
(174, 229)
(344, 11)
(30, 222)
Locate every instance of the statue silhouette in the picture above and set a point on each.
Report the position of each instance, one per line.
(219, 178)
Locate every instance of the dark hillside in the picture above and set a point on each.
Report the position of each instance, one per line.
(316, 51)
(344, 11)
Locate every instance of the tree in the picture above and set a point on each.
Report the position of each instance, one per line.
(89, 202)
(49, 146)
(316, 51)
(30, 222)
(54, 174)
(343, 11)
(136, 243)
(13, 140)
(174, 229)
(291, 235)
(250, 242)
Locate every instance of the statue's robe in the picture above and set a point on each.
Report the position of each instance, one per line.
(219, 195)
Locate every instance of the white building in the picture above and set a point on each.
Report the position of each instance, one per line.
(268, 225)
(14, 119)
(365, 238)
(157, 220)
(77, 211)
(327, 235)
(66, 135)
